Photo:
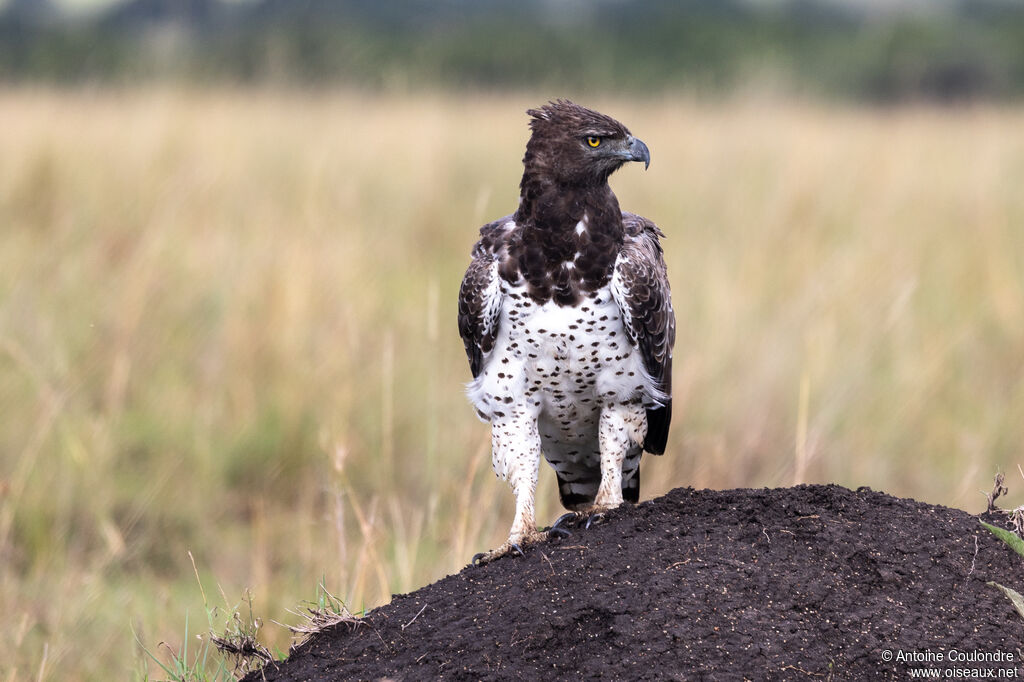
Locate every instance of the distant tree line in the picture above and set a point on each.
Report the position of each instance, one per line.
(950, 52)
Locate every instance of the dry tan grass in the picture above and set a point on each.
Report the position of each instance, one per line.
(227, 326)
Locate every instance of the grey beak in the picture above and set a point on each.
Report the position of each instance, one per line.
(638, 151)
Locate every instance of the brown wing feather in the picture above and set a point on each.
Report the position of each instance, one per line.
(480, 295)
(650, 320)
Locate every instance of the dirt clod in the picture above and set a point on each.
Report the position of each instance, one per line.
(811, 582)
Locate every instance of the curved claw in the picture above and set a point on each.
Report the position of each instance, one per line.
(556, 532)
(477, 557)
(571, 516)
(594, 518)
(518, 549)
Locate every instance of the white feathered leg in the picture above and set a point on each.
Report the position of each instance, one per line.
(618, 430)
(516, 453)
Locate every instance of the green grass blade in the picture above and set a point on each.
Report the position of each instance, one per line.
(150, 653)
(1014, 595)
(1009, 537)
(184, 650)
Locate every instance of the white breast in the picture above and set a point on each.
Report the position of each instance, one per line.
(562, 361)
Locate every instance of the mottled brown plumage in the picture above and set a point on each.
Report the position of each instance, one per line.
(566, 316)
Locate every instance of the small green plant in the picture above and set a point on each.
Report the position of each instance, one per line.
(182, 668)
(1011, 537)
(1017, 544)
(1014, 595)
(1008, 536)
(238, 644)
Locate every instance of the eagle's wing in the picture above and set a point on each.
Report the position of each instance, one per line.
(480, 295)
(641, 290)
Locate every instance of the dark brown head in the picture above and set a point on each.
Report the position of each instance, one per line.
(573, 145)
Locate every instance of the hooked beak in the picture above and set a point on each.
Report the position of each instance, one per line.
(638, 151)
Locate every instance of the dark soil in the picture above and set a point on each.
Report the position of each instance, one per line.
(812, 582)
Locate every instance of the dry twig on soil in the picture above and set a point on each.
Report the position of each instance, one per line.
(998, 490)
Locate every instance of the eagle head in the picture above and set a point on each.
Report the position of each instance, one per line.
(573, 145)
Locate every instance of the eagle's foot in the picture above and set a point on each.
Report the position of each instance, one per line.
(509, 547)
(593, 516)
(569, 518)
(596, 514)
(481, 558)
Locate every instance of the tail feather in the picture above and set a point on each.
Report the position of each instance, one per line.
(631, 486)
(577, 495)
(658, 421)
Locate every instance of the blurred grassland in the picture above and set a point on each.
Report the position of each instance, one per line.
(227, 326)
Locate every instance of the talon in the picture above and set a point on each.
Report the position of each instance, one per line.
(556, 532)
(564, 517)
(594, 518)
(477, 557)
(518, 549)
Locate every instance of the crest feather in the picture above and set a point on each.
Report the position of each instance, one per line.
(565, 113)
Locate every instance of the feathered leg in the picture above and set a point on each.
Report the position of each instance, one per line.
(515, 451)
(621, 427)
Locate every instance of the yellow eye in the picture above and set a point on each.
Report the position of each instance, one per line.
(593, 141)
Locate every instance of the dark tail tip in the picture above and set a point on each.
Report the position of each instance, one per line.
(658, 421)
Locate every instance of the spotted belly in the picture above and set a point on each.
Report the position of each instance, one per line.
(562, 366)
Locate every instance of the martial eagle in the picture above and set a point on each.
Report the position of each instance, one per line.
(566, 315)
